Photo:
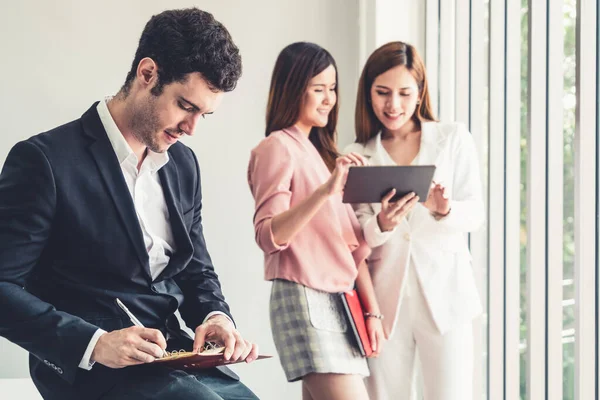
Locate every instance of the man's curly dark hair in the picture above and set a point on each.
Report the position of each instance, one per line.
(186, 41)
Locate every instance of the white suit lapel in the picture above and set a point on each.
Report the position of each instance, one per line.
(378, 156)
(433, 141)
(373, 151)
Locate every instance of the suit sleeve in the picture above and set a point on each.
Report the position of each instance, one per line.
(198, 281)
(467, 212)
(368, 221)
(27, 206)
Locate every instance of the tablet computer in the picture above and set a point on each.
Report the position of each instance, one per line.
(370, 183)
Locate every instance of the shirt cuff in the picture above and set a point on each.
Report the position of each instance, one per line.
(86, 363)
(374, 236)
(210, 314)
(267, 240)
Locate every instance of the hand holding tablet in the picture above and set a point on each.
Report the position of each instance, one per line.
(391, 213)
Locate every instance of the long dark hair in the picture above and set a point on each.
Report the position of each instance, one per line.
(383, 59)
(296, 65)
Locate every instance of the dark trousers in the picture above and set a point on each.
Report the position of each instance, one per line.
(170, 384)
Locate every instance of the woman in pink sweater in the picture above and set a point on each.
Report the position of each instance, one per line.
(313, 245)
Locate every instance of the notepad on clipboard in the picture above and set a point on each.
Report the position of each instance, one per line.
(208, 358)
(356, 318)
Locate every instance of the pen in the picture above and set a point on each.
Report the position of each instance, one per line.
(133, 319)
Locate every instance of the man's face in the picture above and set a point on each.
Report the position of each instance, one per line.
(159, 121)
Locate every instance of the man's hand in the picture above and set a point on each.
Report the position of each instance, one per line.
(129, 346)
(220, 329)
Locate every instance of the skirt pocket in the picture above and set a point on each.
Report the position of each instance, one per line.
(326, 311)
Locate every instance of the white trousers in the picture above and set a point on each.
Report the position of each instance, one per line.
(446, 360)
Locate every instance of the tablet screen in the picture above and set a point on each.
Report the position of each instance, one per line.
(370, 184)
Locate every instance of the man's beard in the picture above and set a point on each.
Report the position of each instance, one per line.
(145, 125)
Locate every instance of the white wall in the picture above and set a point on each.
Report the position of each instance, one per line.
(383, 21)
(401, 20)
(60, 56)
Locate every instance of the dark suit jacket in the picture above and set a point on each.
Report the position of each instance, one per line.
(70, 243)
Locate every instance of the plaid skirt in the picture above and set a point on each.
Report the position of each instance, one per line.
(311, 332)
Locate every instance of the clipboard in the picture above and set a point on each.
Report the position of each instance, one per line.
(212, 357)
(369, 184)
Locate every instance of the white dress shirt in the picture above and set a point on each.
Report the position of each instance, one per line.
(146, 192)
(150, 206)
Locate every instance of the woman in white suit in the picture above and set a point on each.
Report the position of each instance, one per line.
(420, 264)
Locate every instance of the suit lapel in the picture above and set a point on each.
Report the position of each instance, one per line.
(374, 151)
(377, 155)
(110, 171)
(433, 141)
(169, 177)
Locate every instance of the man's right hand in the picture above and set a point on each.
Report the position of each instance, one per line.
(129, 346)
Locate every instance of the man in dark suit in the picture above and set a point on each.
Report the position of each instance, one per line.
(109, 206)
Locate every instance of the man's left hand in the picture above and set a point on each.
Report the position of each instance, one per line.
(220, 329)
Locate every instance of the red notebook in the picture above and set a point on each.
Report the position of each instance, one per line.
(356, 318)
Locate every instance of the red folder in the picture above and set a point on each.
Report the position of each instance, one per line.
(356, 318)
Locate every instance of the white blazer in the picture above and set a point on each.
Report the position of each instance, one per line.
(438, 248)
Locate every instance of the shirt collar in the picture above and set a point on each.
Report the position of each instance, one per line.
(120, 146)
